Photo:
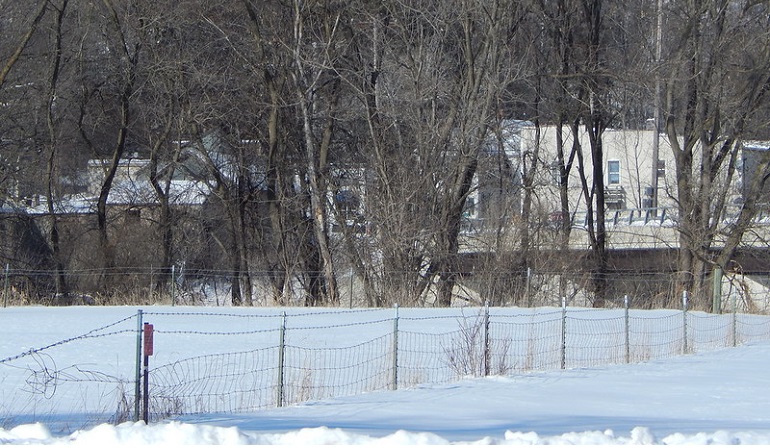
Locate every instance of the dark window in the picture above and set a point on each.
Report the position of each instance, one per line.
(613, 172)
(555, 173)
(347, 204)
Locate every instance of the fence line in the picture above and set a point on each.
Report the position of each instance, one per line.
(484, 344)
(208, 362)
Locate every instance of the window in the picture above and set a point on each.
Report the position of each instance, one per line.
(348, 204)
(613, 172)
(661, 168)
(470, 207)
(555, 172)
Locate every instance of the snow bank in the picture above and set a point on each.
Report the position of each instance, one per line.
(174, 433)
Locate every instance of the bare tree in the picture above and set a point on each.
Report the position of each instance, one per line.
(270, 64)
(105, 48)
(53, 147)
(23, 80)
(297, 130)
(716, 84)
(308, 75)
(23, 41)
(162, 115)
(580, 99)
(286, 104)
(429, 79)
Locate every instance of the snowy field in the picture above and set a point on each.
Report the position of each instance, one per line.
(719, 396)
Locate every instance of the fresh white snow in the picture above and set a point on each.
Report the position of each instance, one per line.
(711, 397)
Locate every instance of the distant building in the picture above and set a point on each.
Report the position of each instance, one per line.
(495, 196)
(628, 168)
(347, 199)
(755, 155)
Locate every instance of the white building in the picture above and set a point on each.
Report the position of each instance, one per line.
(628, 168)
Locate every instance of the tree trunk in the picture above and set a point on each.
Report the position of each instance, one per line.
(130, 57)
(242, 200)
(595, 125)
(316, 158)
(165, 222)
(53, 79)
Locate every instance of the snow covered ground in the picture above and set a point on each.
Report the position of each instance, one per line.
(715, 397)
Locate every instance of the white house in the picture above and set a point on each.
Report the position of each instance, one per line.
(131, 185)
(628, 171)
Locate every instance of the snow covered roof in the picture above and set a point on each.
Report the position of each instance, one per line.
(138, 193)
(756, 145)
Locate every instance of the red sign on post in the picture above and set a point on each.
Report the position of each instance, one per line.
(148, 331)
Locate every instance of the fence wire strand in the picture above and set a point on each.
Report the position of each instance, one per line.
(266, 360)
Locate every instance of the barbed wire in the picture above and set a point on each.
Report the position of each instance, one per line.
(304, 367)
(215, 333)
(345, 325)
(249, 315)
(210, 314)
(229, 273)
(87, 335)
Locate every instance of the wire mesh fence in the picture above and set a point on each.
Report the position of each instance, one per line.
(75, 381)
(237, 361)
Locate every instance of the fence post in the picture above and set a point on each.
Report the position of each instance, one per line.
(5, 284)
(394, 368)
(486, 339)
(352, 273)
(528, 299)
(148, 349)
(138, 372)
(684, 317)
(281, 359)
(564, 333)
(628, 331)
(735, 321)
(716, 306)
(173, 284)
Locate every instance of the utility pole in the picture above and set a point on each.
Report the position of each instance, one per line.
(656, 119)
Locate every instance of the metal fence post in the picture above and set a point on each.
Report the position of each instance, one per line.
(628, 331)
(527, 286)
(735, 321)
(173, 284)
(5, 284)
(684, 318)
(147, 352)
(394, 368)
(351, 286)
(138, 373)
(281, 358)
(563, 333)
(487, 355)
